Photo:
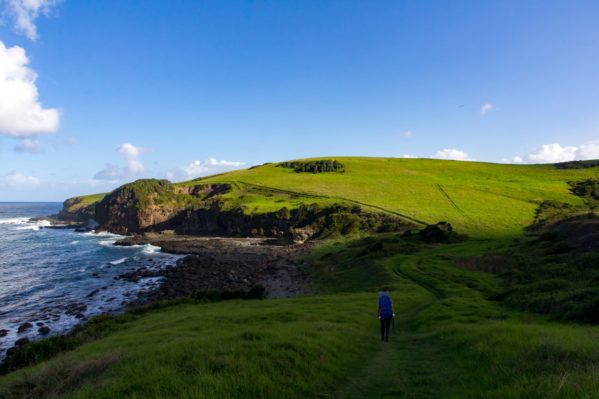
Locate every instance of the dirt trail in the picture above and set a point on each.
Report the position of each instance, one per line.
(404, 366)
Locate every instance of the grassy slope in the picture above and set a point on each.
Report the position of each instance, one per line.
(450, 341)
(85, 200)
(479, 198)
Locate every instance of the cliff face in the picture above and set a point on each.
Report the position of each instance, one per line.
(209, 209)
(76, 210)
(139, 206)
(299, 224)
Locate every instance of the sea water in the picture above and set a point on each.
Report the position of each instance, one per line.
(58, 277)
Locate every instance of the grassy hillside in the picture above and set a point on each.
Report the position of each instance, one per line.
(450, 339)
(479, 198)
(455, 335)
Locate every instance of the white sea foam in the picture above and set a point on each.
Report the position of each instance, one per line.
(103, 234)
(74, 242)
(150, 249)
(107, 243)
(25, 224)
(21, 220)
(118, 261)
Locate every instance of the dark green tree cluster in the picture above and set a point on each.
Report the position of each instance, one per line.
(588, 188)
(578, 164)
(324, 165)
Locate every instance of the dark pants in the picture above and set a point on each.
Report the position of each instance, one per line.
(385, 326)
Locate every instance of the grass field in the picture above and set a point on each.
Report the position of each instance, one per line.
(477, 198)
(481, 199)
(453, 337)
(450, 339)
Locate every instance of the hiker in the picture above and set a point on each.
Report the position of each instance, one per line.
(386, 313)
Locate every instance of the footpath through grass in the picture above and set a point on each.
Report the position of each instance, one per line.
(450, 340)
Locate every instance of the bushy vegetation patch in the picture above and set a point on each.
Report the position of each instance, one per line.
(591, 163)
(545, 273)
(441, 232)
(552, 211)
(588, 188)
(141, 193)
(320, 166)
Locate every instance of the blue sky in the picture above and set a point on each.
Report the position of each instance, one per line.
(180, 89)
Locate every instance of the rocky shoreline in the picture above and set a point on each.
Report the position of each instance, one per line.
(223, 264)
(207, 264)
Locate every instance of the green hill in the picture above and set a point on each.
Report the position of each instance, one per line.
(481, 199)
(464, 327)
(477, 198)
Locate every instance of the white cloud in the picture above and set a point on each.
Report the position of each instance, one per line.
(486, 108)
(554, 153)
(551, 153)
(589, 151)
(21, 181)
(130, 154)
(408, 134)
(203, 168)
(408, 156)
(452, 154)
(28, 145)
(25, 12)
(21, 113)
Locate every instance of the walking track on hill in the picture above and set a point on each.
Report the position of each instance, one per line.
(307, 194)
(406, 366)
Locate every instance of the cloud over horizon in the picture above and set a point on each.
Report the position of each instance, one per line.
(134, 167)
(203, 168)
(452, 154)
(554, 153)
(20, 181)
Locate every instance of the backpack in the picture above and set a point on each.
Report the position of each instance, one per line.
(386, 307)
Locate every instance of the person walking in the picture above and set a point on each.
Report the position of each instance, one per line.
(386, 313)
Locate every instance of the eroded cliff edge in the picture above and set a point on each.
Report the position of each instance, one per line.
(223, 209)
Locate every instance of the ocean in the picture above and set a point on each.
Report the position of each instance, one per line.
(58, 278)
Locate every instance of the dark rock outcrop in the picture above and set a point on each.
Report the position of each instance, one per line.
(24, 327)
(300, 224)
(139, 206)
(21, 341)
(45, 330)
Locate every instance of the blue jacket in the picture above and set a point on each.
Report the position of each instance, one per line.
(385, 307)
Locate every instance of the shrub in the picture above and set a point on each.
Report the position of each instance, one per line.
(578, 164)
(324, 165)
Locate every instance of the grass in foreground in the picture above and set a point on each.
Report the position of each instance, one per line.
(451, 340)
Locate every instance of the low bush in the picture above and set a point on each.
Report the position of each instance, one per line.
(325, 165)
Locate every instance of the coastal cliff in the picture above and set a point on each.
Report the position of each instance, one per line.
(220, 209)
